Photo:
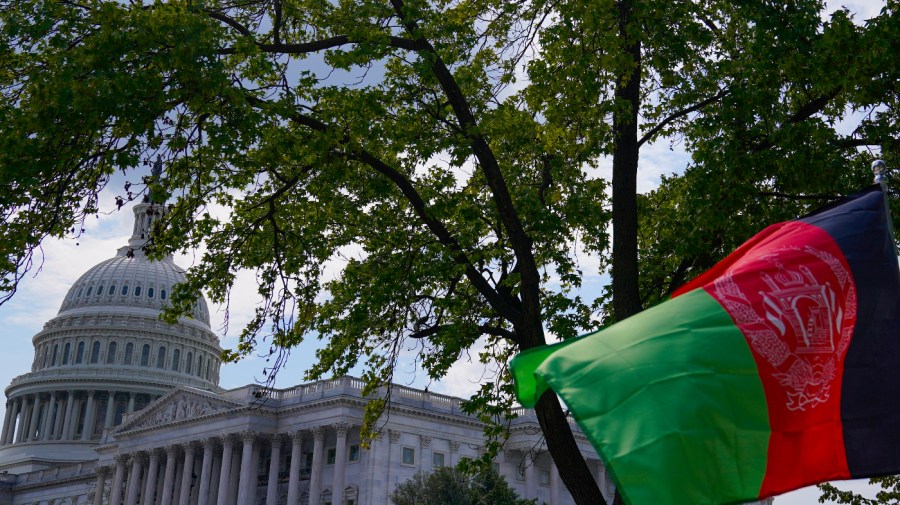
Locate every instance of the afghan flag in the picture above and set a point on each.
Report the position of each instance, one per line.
(777, 369)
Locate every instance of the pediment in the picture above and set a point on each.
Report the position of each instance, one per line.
(182, 404)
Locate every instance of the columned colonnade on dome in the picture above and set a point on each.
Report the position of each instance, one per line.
(64, 415)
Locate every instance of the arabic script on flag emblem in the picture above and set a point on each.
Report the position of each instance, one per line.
(797, 308)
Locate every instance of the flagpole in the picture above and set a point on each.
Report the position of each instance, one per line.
(880, 169)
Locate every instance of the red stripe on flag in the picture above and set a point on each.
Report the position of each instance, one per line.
(791, 292)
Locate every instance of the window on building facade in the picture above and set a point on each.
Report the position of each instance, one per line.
(330, 456)
(145, 355)
(162, 294)
(150, 292)
(111, 353)
(95, 352)
(53, 359)
(545, 477)
(437, 459)
(137, 291)
(129, 351)
(66, 349)
(351, 495)
(353, 453)
(125, 290)
(112, 290)
(161, 357)
(188, 362)
(176, 359)
(408, 456)
(79, 353)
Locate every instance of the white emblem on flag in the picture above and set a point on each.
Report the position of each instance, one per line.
(801, 324)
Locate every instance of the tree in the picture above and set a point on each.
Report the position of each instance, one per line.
(888, 495)
(449, 486)
(446, 152)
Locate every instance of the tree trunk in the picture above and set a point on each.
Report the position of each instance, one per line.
(626, 292)
(626, 295)
(572, 467)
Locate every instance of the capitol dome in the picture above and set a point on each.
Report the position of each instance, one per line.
(107, 354)
(129, 282)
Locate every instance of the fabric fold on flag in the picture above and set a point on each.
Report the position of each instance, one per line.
(775, 369)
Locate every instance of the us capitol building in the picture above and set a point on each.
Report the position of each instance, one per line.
(120, 408)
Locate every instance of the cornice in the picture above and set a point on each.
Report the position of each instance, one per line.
(106, 376)
(86, 474)
(126, 325)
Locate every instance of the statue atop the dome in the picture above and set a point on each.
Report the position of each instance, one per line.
(155, 177)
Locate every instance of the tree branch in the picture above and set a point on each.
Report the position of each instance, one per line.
(415, 200)
(681, 113)
(484, 329)
(805, 111)
(519, 239)
(789, 196)
(849, 142)
(305, 47)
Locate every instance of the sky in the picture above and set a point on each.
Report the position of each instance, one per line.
(63, 261)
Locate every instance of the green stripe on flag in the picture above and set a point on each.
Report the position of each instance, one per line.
(671, 398)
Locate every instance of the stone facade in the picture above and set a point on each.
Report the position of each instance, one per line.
(254, 446)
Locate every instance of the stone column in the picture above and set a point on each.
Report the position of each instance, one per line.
(454, 452)
(187, 474)
(134, 479)
(340, 463)
(209, 446)
(88, 432)
(102, 472)
(554, 484)
(9, 429)
(601, 478)
(33, 427)
(110, 410)
(47, 425)
(58, 419)
(179, 472)
(130, 403)
(6, 423)
(235, 479)
(23, 421)
(274, 468)
(214, 478)
(425, 459)
(315, 476)
(67, 423)
(169, 480)
(530, 488)
(115, 493)
(294, 475)
(225, 472)
(149, 494)
(247, 488)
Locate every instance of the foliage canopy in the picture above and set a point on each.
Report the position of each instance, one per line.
(449, 486)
